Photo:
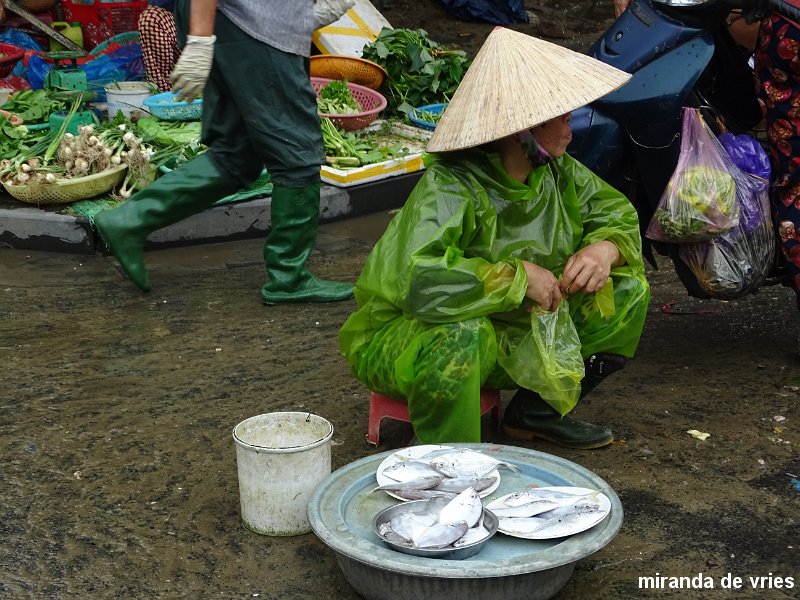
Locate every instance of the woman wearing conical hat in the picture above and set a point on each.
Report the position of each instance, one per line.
(511, 265)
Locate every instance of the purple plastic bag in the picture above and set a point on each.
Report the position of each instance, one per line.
(747, 154)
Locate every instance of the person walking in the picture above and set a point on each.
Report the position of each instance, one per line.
(250, 61)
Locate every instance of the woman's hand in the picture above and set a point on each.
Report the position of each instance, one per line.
(542, 286)
(588, 269)
(620, 6)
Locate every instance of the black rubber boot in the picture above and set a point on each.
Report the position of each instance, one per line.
(528, 416)
(598, 367)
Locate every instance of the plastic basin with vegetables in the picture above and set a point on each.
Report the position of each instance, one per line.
(370, 102)
(427, 116)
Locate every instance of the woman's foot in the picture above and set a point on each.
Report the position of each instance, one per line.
(529, 417)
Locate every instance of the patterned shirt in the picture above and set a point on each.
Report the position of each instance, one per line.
(285, 25)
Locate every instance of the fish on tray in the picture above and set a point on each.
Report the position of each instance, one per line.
(561, 497)
(467, 463)
(459, 469)
(456, 523)
(560, 515)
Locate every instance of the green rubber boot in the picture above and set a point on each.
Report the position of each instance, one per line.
(528, 417)
(172, 197)
(293, 233)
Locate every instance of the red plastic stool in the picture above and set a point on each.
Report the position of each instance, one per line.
(382, 407)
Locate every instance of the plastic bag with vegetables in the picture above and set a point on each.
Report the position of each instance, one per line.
(699, 201)
(736, 262)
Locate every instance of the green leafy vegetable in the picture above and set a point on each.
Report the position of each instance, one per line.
(420, 70)
(34, 106)
(427, 116)
(346, 149)
(702, 204)
(337, 99)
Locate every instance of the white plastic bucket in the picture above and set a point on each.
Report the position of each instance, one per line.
(281, 458)
(127, 96)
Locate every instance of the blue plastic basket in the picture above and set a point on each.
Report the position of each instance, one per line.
(165, 107)
(431, 108)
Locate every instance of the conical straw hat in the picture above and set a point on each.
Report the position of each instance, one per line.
(517, 82)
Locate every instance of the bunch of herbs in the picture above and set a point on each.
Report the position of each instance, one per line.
(345, 149)
(420, 70)
(337, 99)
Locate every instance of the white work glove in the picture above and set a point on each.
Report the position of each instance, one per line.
(330, 11)
(190, 74)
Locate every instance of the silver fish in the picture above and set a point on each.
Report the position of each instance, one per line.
(390, 535)
(411, 525)
(429, 456)
(563, 514)
(408, 470)
(420, 483)
(473, 536)
(459, 484)
(530, 509)
(562, 497)
(466, 506)
(413, 494)
(440, 535)
(468, 463)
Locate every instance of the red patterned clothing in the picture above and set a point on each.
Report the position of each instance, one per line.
(777, 70)
(159, 48)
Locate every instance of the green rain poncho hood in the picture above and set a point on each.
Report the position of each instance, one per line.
(453, 254)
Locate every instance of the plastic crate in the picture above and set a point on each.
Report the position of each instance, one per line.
(101, 19)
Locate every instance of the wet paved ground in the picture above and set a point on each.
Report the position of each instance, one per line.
(119, 472)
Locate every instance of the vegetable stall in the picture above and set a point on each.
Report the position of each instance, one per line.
(57, 146)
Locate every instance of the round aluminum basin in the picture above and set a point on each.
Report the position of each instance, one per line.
(343, 508)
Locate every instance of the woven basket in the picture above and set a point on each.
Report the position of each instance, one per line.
(11, 56)
(370, 101)
(164, 107)
(68, 190)
(348, 68)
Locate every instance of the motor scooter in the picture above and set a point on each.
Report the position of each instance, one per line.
(679, 53)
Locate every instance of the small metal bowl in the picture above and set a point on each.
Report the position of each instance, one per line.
(490, 522)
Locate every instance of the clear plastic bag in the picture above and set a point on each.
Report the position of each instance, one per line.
(736, 262)
(699, 202)
(548, 359)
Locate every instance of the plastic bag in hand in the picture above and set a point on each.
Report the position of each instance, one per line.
(549, 357)
(699, 201)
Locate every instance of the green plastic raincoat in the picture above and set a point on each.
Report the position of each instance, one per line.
(441, 301)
